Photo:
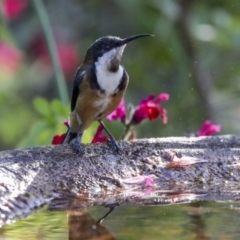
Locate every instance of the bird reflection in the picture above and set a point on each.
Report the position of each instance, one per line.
(83, 227)
(197, 217)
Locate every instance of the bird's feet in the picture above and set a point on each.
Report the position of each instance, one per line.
(77, 147)
(113, 144)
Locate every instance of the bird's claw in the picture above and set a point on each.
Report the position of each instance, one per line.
(76, 147)
(114, 145)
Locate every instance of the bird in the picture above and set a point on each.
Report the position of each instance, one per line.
(98, 88)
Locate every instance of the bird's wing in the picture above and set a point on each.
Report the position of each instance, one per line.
(77, 82)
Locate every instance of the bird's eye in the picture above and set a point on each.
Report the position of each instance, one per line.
(106, 47)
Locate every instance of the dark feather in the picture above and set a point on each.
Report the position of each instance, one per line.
(77, 82)
(124, 81)
(91, 75)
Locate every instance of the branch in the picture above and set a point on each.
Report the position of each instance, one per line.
(57, 168)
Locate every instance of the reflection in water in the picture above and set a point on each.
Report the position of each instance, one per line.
(111, 209)
(83, 227)
(197, 219)
(152, 219)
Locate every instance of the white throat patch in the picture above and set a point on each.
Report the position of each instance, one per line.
(107, 79)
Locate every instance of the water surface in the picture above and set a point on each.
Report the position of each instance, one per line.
(196, 220)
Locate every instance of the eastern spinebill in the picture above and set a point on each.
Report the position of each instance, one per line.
(98, 87)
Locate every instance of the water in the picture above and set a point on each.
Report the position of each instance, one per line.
(195, 220)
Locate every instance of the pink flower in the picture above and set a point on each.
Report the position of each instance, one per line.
(58, 139)
(208, 128)
(98, 136)
(118, 113)
(12, 9)
(66, 123)
(145, 181)
(163, 97)
(151, 109)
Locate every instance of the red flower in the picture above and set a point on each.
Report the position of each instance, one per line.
(98, 136)
(12, 9)
(58, 139)
(118, 113)
(208, 128)
(151, 109)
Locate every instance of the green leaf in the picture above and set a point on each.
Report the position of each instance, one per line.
(59, 109)
(89, 133)
(42, 106)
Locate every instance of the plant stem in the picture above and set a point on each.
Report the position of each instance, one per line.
(127, 132)
(59, 76)
(203, 81)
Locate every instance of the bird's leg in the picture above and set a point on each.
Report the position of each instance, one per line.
(76, 144)
(113, 140)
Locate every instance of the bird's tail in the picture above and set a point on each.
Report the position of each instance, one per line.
(70, 136)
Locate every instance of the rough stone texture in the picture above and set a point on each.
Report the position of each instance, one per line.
(57, 168)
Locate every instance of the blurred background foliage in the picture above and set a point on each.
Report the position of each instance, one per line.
(194, 57)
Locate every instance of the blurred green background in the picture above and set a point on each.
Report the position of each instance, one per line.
(194, 57)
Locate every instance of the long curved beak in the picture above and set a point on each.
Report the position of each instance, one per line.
(129, 39)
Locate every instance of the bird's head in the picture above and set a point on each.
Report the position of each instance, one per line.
(108, 51)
